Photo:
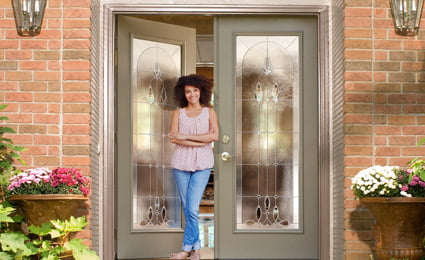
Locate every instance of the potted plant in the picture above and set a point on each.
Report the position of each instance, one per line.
(43, 195)
(396, 198)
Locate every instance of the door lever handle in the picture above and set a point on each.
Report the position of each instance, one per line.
(225, 156)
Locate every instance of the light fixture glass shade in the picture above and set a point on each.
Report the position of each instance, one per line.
(28, 16)
(406, 16)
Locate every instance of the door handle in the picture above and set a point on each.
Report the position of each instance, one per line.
(225, 156)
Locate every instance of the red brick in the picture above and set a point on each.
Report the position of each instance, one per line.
(33, 108)
(77, 34)
(47, 97)
(380, 140)
(21, 139)
(76, 119)
(358, 55)
(9, 44)
(357, 140)
(413, 66)
(357, 44)
(33, 65)
(388, 109)
(81, 3)
(387, 130)
(357, 12)
(46, 118)
(400, 161)
(18, 55)
(18, 75)
(9, 86)
(54, 65)
(76, 65)
(76, 86)
(357, 161)
(18, 97)
(20, 118)
(75, 140)
(76, 44)
(32, 129)
(401, 120)
(387, 151)
(47, 161)
(55, 45)
(75, 161)
(33, 86)
(387, 44)
(46, 140)
(414, 45)
(413, 130)
(379, 76)
(53, 129)
(35, 150)
(77, 13)
(358, 235)
(358, 76)
(77, 97)
(33, 44)
(413, 151)
(358, 150)
(357, 119)
(402, 140)
(358, 97)
(80, 23)
(383, 23)
(76, 75)
(414, 109)
(38, 75)
(76, 129)
(357, 87)
(358, 22)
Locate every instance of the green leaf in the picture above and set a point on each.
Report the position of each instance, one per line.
(55, 233)
(80, 251)
(72, 225)
(3, 106)
(421, 142)
(49, 256)
(15, 242)
(6, 256)
(42, 230)
(6, 130)
(4, 118)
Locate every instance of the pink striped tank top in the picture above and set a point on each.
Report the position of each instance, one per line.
(187, 158)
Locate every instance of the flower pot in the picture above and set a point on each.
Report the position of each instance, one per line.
(41, 208)
(399, 230)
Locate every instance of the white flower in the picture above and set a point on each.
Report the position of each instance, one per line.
(405, 194)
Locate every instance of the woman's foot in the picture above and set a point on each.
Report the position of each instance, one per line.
(180, 255)
(195, 255)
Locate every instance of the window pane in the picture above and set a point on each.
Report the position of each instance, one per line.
(267, 192)
(155, 69)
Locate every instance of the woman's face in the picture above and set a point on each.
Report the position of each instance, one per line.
(192, 94)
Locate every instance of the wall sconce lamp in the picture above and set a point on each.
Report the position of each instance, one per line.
(28, 16)
(406, 16)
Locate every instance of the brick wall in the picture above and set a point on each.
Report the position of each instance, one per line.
(45, 82)
(384, 104)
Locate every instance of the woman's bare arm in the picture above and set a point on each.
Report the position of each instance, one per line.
(209, 137)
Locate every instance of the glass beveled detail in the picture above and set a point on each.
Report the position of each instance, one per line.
(267, 145)
(155, 68)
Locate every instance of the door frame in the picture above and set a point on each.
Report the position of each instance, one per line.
(103, 113)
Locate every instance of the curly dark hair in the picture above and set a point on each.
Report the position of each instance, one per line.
(198, 81)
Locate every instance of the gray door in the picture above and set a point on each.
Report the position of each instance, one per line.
(267, 158)
(151, 56)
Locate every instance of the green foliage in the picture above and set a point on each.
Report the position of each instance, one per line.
(46, 242)
(8, 153)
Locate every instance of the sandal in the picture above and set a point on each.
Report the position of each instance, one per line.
(180, 255)
(195, 255)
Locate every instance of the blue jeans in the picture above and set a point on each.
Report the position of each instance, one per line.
(191, 186)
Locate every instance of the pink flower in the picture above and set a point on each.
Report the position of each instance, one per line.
(422, 184)
(405, 188)
(409, 171)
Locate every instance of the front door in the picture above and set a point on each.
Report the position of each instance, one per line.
(267, 157)
(151, 57)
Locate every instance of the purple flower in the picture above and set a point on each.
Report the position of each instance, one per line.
(413, 183)
(416, 178)
(422, 184)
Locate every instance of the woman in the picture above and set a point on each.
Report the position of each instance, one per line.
(193, 129)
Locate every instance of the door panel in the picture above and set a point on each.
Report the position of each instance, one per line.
(267, 102)
(151, 57)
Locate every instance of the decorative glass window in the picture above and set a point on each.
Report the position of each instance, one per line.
(268, 133)
(156, 67)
